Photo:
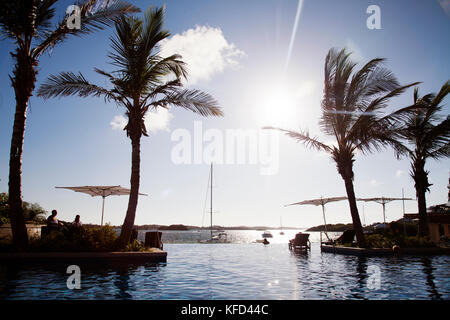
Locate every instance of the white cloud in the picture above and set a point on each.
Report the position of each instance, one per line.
(155, 121)
(118, 122)
(158, 120)
(205, 51)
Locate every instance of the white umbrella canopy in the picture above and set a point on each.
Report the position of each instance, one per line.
(319, 202)
(101, 191)
(382, 201)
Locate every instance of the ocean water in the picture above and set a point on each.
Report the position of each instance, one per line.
(239, 270)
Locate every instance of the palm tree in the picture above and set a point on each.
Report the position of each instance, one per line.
(142, 82)
(352, 112)
(421, 138)
(29, 24)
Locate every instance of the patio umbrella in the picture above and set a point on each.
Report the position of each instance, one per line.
(383, 202)
(102, 191)
(319, 202)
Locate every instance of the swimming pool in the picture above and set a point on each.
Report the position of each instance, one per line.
(239, 271)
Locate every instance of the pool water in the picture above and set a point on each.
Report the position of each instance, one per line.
(239, 271)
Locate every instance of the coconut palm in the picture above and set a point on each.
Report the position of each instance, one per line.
(143, 81)
(424, 134)
(352, 112)
(28, 23)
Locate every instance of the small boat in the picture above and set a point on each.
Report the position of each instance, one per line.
(221, 236)
(267, 234)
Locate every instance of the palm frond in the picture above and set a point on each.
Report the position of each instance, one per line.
(194, 100)
(70, 84)
(95, 15)
(161, 67)
(152, 32)
(439, 153)
(304, 137)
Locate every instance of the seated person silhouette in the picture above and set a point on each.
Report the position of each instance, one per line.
(77, 223)
(52, 222)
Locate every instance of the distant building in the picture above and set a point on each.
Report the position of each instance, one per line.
(439, 215)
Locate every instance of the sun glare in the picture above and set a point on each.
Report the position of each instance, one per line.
(278, 107)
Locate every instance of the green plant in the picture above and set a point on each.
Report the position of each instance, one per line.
(4, 217)
(389, 239)
(72, 239)
(378, 241)
(136, 245)
(31, 211)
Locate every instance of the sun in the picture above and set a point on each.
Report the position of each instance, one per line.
(278, 106)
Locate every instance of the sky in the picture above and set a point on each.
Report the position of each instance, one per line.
(263, 62)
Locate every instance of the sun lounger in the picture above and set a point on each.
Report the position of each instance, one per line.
(300, 242)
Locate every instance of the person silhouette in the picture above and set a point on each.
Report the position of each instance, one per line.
(77, 223)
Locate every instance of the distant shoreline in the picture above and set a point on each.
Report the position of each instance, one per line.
(181, 227)
(339, 227)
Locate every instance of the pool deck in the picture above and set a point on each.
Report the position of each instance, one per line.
(94, 257)
(383, 252)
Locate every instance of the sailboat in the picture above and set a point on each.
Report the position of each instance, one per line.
(222, 236)
(281, 227)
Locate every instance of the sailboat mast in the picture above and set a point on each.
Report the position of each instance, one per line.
(211, 199)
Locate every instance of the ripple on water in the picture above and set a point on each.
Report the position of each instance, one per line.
(238, 271)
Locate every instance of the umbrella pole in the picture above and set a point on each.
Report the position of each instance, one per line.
(103, 208)
(325, 221)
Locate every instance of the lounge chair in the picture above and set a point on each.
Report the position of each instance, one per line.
(300, 242)
(347, 237)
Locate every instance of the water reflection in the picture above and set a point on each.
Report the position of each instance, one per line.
(238, 271)
(361, 274)
(7, 275)
(428, 271)
(122, 282)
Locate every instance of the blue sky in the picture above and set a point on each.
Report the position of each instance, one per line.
(237, 51)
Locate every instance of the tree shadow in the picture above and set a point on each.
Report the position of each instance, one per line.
(428, 271)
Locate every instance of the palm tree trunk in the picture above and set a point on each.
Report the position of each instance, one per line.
(360, 239)
(19, 230)
(23, 83)
(345, 169)
(421, 185)
(128, 224)
(423, 218)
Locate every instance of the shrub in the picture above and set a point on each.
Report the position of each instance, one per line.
(417, 242)
(136, 245)
(71, 239)
(378, 241)
(31, 211)
(388, 240)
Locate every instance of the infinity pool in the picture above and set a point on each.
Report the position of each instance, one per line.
(239, 271)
